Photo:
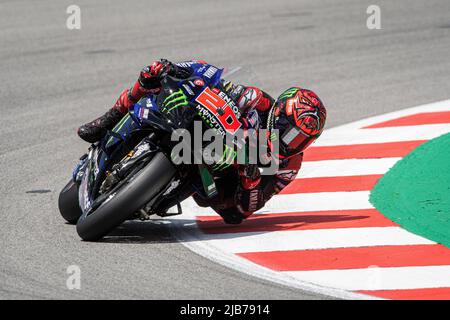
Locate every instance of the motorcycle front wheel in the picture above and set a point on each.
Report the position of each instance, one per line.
(128, 199)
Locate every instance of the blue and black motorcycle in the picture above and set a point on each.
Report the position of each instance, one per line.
(131, 174)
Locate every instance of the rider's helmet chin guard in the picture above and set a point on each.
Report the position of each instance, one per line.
(299, 116)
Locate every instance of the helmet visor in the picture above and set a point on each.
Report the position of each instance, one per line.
(294, 141)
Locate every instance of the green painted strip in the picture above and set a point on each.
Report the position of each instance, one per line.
(117, 128)
(209, 185)
(124, 120)
(415, 193)
(119, 124)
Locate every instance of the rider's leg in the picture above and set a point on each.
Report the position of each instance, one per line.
(95, 130)
(224, 203)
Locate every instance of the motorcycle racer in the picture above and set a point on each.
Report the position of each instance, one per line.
(298, 114)
(248, 99)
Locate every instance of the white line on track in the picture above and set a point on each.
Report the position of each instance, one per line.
(311, 239)
(348, 167)
(379, 278)
(382, 135)
(318, 202)
(431, 107)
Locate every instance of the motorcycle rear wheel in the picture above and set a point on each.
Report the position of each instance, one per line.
(68, 203)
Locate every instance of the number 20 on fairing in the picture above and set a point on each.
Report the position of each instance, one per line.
(220, 109)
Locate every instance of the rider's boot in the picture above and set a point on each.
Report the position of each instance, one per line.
(95, 130)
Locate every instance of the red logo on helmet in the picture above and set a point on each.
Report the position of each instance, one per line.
(309, 124)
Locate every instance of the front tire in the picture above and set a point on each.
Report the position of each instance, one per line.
(68, 203)
(130, 198)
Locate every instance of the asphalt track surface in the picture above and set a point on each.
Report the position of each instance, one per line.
(52, 79)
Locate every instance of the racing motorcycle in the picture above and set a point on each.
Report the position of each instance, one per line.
(130, 173)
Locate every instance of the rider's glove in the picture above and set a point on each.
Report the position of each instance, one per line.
(249, 197)
(149, 81)
(250, 176)
(151, 75)
(249, 201)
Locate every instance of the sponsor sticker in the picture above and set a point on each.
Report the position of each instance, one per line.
(143, 113)
(210, 72)
(199, 82)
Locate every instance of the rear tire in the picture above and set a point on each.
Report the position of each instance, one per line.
(130, 198)
(68, 203)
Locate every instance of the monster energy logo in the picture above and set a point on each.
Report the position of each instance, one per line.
(289, 93)
(175, 100)
(227, 158)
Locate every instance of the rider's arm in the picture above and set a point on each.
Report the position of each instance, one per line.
(254, 98)
(149, 81)
(265, 102)
(254, 190)
(264, 106)
(285, 175)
